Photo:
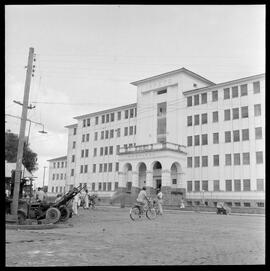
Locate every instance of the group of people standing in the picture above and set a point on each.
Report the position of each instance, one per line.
(84, 195)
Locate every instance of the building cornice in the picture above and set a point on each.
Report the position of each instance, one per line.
(58, 158)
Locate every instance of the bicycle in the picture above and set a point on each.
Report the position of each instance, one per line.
(137, 211)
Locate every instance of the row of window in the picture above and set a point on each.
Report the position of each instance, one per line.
(228, 159)
(227, 115)
(59, 164)
(110, 117)
(229, 203)
(229, 136)
(227, 94)
(59, 176)
(236, 185)
(61, 189)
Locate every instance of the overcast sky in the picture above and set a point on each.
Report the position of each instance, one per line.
(86, 57)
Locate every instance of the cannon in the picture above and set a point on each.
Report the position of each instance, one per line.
(51, 212)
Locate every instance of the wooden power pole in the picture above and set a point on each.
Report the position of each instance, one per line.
(14, 206)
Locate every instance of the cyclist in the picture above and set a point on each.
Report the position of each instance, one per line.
(142, 198)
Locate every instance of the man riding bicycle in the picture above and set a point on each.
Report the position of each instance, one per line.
(142, 198)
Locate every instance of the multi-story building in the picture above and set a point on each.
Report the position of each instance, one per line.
(185, 134)
(57, 174)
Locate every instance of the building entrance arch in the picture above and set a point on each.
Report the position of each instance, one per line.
(157, 174)
(141, 169)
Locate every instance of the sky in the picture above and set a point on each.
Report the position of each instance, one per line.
(87, 55)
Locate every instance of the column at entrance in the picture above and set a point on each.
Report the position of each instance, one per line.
(149, 182)
(122, 181)
(166, 186)
(135, 183)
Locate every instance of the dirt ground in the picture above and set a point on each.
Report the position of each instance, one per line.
(107, 236)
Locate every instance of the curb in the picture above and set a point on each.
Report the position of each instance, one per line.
(37, 227)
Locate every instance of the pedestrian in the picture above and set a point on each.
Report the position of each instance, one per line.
(160, 201)
(75, 204)
(182, 205)
(86, 199)
(142, 198)
(40, 196)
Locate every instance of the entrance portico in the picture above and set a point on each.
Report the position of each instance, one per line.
(159, 165)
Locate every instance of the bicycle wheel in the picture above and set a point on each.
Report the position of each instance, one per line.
(134, 213)
(151, 213)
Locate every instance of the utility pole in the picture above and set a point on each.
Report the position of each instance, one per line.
(14, 206)
(44, 177)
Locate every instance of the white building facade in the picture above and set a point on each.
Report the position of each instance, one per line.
(190, 137)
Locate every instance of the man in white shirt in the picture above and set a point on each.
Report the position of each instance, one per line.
(142, 198)
(160, 201)
(40, 196)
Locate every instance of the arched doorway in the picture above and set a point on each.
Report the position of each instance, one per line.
(127, 169)
(157, 179)
(175, 174)
(142, 174)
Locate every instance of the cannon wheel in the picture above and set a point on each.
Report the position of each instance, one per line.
(53, 215)
(21, 217)
(65, 213)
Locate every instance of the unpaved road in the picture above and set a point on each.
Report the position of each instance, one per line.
(107, 236)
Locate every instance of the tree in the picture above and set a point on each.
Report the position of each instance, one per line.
(11, 147)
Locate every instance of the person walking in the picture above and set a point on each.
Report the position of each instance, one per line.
(86, 199)
(160, 201)
(75, 204)
(182, 205)
(40, 196)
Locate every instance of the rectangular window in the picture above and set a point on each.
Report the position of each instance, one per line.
(117, 149)
(235, 92)
(237, 185)
(131, 113)
(93, 186)
(101, 151)
(111, 133)
(215, 116)
(216, 185)
(105, 150)
(244, 111)
(112, 116)
(126, 114)
(72, 172)
(258, 133)
(99, 186)
(245, 134)
(189, 141)
(228, 185)
(197, 140)
(244, 90)
(86, 152)
(87, 137)
(226, 92)
(196, 99)
(130, 130)
(102, 135)
(189, 121)
(204, 139)
(105, 167)
(246, 185)
(204, 118)
(106, 134)
(228, 159)
(85, 168)
(256, 87)
(104, 186)
(126, 131)
(74, 131)
(236, 159)
(83, 138)
(94, 168)
(204, 161)
(227, 114)
(110, 167)
(246, 204)
(236, 135)
(119, 115)
(189, 101)
(58, 164)
(197, 186)
(84, 121)
(96, 120)
(246, 158)
(215, 138)
(81, 169)
(227, 136)
(107, 117)
(196, 119)
(214, 96)
(82, 153)
(53, 176)
(88, 122)
(109, 186)
(205, 185)
(118, 134)
(204, 98)
(95, 152)
(235, 112)
(100, 167)
(103, 118)
(259, 157)
(215, 160)
(111, 150)
(197, 161)
(260, 185)
(189, 162)
(74, 145)
(96, 136)
(163, 91)
(161, 109)
(116, 166)
(73, 158)
(189, 186)
(257, 110)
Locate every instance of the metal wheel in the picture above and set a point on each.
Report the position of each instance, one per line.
(65, 213)
(53, 215)
(134, 213)
(151, 213)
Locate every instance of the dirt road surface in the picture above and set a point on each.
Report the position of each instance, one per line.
(107, 236)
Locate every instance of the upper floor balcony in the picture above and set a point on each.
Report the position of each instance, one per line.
(153, 148)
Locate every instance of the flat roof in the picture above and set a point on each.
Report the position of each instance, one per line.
(135, 83)
(71, 125)
(58, 158)
(224, 83)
